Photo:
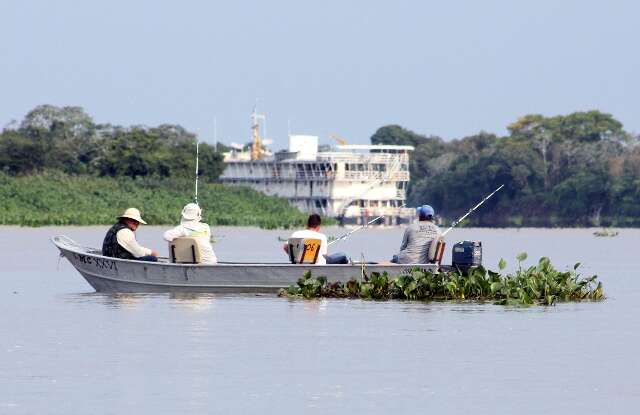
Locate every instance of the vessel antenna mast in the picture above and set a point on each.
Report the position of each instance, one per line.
(256, 146)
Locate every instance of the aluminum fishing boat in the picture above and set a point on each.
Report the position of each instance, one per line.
(115, 275)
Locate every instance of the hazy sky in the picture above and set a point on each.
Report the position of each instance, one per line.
(450, 68)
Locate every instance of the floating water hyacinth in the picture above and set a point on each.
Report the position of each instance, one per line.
(540, 284)
(605, 233)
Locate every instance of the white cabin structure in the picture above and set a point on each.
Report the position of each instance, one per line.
(353, 183)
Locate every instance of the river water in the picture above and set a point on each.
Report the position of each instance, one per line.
(67, 350)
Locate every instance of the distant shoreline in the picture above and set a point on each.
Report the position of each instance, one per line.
(57, 199)
(337, 228)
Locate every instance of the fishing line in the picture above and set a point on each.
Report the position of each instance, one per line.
(348, 234)
(455, 223)
(197, 157)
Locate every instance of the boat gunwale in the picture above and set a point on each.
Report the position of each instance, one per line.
(181, 285)
(73, 247)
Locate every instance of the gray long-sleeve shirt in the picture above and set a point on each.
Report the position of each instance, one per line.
(416, 242)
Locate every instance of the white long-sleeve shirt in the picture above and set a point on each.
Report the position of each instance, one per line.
(201, 232)
(127, 239)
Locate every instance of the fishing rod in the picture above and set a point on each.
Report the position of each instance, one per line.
(455, 223)
(348, 234)
(197, 154)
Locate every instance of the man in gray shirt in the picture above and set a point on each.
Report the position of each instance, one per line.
(418, 238)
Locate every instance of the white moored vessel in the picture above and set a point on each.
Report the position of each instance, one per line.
(350, 182)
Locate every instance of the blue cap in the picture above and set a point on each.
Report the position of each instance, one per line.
(426, 210)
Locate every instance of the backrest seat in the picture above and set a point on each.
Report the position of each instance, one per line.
(184, 250)
(436, 250)
(303, 250)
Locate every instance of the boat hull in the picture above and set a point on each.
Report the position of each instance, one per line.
(115, 275)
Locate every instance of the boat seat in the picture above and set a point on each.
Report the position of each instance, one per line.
(436, 250)
(303, 250)
(184, 250)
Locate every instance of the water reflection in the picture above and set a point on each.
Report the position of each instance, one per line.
(193, 301)
(187, 301)
(199, 302)
(319, 306)
(111, 300)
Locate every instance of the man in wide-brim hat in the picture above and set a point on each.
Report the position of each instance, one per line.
(120, 241)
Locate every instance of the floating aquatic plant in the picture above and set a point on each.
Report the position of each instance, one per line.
(538, 284)
(605, 233)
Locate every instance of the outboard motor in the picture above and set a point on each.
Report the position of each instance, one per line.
(466, 254)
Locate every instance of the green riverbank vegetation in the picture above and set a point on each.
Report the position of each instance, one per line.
(59, 199)
(581, 169)
(540, 284)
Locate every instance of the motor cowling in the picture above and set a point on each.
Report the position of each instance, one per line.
(466, 254)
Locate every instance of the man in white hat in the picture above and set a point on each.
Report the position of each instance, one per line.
(120, 241)
(191, 226)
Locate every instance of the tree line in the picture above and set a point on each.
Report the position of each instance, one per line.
(581, 169)
(66, 139)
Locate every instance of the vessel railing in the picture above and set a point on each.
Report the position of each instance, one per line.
(398, 176)
(372, 212)
(363, 158)
(292, 174)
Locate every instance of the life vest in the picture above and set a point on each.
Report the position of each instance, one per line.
(111, 247)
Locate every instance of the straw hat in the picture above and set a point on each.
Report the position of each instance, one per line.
(132, 213)
(192, 211)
